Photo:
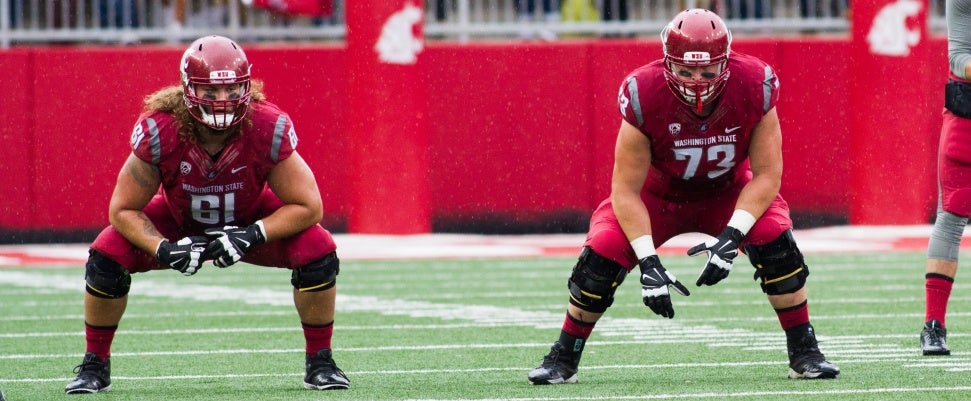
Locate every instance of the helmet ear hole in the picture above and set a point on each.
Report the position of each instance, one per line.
(215, 60)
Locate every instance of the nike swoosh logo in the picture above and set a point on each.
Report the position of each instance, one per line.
(654, 277)
(236, 170)
(727, 130)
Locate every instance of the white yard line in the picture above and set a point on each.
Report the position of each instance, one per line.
(837, 239)
(609, 330)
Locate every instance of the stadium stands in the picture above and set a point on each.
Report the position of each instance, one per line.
(24, 22)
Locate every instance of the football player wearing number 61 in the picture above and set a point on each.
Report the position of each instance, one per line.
(213, 175)
(699, 150)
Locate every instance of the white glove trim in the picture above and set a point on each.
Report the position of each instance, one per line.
(259, 223)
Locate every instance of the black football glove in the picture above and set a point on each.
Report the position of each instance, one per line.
(185, 255)
(232, 242)
(722, 251)
(654, 286)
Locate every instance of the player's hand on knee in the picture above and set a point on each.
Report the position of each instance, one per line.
(185, 255)
(654, 286)
(231, 243)
(722, 251)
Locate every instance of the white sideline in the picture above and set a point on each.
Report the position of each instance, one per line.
(835, 239)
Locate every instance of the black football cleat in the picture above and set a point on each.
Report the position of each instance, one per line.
(805, 359)
(94, 376)
(558, 367)
(323, 373)
(933, 339)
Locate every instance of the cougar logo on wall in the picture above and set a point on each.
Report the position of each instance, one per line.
(889, 34)
(398, 44)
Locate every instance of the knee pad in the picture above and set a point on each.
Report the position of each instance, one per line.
(105, 278)
(779, 265)
(945, 239)
(318, 275)
(594, 281)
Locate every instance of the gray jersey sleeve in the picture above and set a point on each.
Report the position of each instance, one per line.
(958, 15)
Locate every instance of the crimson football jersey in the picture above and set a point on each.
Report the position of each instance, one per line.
(694, 155)
(202, 192)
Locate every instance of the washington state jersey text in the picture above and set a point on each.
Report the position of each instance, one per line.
(692, 152)
(203, 191)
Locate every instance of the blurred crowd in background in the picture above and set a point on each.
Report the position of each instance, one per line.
(174, 21)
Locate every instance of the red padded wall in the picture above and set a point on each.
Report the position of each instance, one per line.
(17, 209)
(515, 129)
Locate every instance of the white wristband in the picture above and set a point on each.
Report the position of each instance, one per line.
(643, 246)
(742, 221)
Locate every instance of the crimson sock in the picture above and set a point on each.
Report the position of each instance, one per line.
(794, 315)
(98, 339)
(577, 328)
(575, 333)
(937, 290)
(317, 336)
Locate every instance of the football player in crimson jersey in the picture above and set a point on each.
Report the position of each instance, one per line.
(699, 150)
(954, 179)
(213, 175)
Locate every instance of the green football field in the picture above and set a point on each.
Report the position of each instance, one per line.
(472, 329)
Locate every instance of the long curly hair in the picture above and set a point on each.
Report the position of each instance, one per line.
(170, 100)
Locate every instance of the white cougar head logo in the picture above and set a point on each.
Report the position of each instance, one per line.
(889, 35)
(398, 44)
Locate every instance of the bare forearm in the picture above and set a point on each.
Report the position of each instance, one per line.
(135, 226)
(757, 195)
(631, 214)
(290, 220)
(294, 183)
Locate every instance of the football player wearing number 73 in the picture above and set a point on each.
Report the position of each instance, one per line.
(213, 175)
(699, 150)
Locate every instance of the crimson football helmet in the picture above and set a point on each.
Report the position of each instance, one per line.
(216, 60)
(696, 38)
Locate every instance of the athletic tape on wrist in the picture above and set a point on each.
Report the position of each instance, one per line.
(742, 221)
(643, 246)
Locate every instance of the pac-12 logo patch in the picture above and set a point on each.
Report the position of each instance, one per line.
(674, 129)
